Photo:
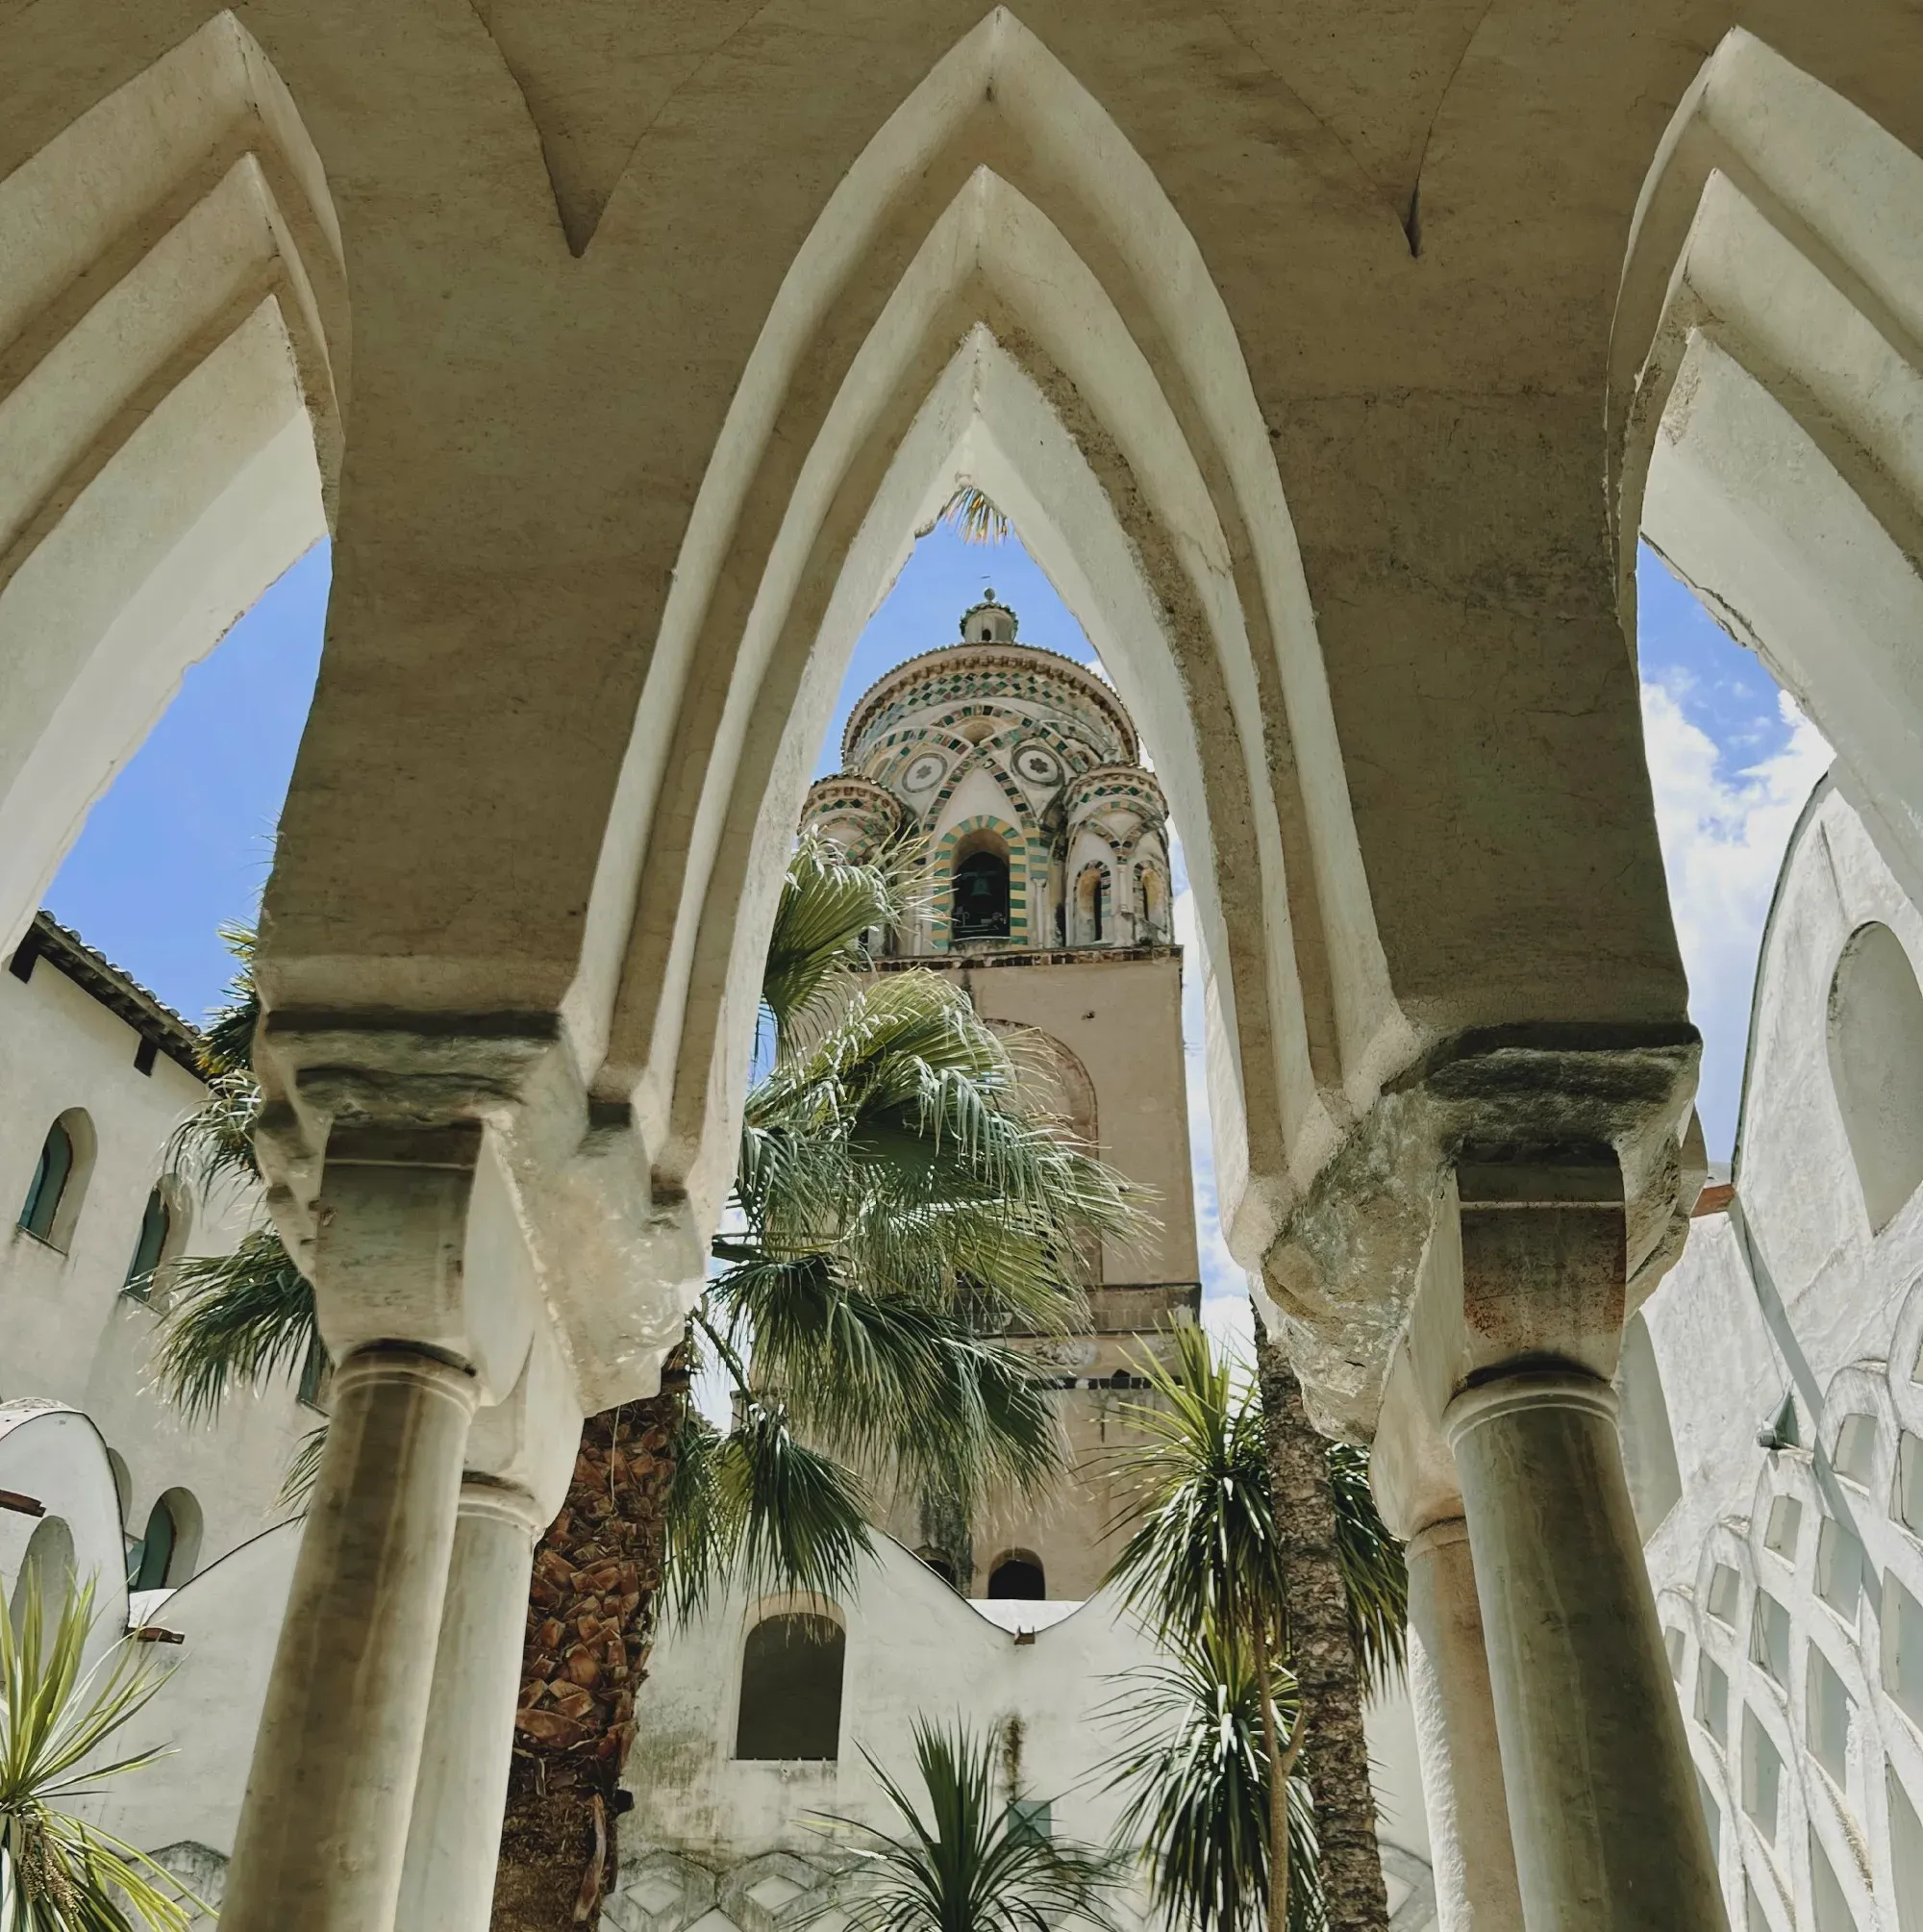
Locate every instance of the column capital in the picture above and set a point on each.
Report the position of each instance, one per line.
(1435, 1535)
(398, 1362)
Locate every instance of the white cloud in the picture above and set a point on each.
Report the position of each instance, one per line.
(1723, 829)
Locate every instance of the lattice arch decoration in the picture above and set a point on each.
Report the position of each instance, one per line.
(941, 869)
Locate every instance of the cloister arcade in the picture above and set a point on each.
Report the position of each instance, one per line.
(1330, 361)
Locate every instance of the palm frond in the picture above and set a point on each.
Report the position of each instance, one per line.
(1203, 1548)
(303, 1472)
(234, 1320)
(765, 1510)
(979, 521)
(1375, 1573)
(1196, 1773)
(57, 1723)
(226, 1039)
(891, 1382)
(968, 1862)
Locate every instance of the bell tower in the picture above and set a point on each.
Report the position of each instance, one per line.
(1047, 847)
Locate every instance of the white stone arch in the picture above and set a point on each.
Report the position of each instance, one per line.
(173, 370)
(1195, 576)
(1766, 406)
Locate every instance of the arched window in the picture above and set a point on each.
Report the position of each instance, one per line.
(165, 1557)
(155, 1223)
(938, 1561)
(981, 896)
(51, 1174)
(1093, 909)
(791, 1689)
(1648, 1442)
(1876, 1064)
(1018, 1576)
(46, 1575)
(59, 1179)
(1153, 904)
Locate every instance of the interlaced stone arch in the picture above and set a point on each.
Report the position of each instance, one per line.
(174, 343)
(1179, 448)
(1766, 380)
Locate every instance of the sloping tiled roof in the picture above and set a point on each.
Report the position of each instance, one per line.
(159, 1027)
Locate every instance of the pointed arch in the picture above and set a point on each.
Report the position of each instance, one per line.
(1120, 386)
(1766, 386)
(173, 374)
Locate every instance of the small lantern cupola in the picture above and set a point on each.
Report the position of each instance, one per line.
(988, 623)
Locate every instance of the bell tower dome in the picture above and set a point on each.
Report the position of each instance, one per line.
(988, 623)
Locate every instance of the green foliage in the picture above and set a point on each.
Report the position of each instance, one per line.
(57, 1722)
(975, 516)
(968, 1863)
(898, 1205)
(1197, 1771)
(234, 1320)
(1202, 1566)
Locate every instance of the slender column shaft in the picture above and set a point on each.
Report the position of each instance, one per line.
(447, 1884)
(325, 1821)
(1456, 1737)
(1607, 1833)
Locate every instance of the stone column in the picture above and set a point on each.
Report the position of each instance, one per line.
(1607, 1832)
(325, 1821)
(447, 1884)
(1456, 1737)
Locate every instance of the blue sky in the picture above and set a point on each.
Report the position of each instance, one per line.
(182, 842)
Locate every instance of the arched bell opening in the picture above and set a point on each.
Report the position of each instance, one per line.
(979, 889)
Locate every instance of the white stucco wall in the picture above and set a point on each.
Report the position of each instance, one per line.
(72, 1335)
(1791, 1294)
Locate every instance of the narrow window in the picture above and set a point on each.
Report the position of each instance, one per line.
(791, 1669)
(1832, 1905)
(1903, 1648)
(1785, 1526)
(1672, 1649)
(1769, 1637)
(1839, 1564)
(1910, 1482)
(1762, 1775)
(1017, 1575)
(1827, 1719)
(1712, 1816)
(1712, 1699)
(1725, 1587)
(1906, 1853)
(155, 1225)
(1855, 1459)
(45, 1192)
(152, 1555)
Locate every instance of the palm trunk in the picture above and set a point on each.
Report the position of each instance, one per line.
(591, 1625)
(1322, 1652)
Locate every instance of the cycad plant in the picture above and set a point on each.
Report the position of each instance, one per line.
(1217, 1797)
(58, 1722)
(969, 1862)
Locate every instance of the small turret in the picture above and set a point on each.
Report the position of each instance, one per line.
(989, 622)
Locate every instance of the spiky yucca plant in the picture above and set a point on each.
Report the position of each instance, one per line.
(58, 1721)
(970, 1862)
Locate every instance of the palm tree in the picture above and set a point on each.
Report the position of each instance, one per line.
(1206, 1567)
(56, 1719)
(899, 1204)
(975, 515)
(1346, 1595)
(970, 1864)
